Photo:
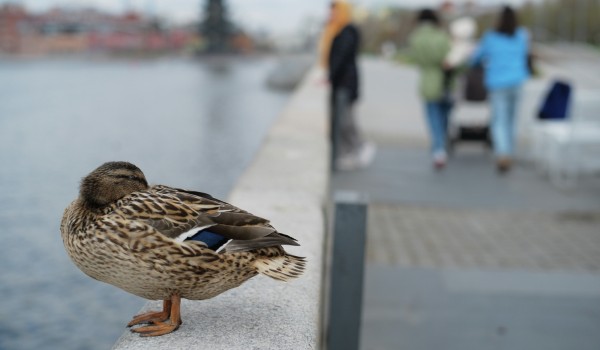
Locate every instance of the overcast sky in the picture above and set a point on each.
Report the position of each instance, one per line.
(272, 15)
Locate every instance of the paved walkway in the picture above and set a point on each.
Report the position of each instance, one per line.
(464, 258)
(408, 235)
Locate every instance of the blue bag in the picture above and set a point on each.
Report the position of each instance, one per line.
(556, 103)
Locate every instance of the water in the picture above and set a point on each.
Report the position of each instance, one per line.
(184, 123)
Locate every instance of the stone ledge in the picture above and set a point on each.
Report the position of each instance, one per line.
(287, 183)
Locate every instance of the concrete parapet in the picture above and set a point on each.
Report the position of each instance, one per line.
(287, 183)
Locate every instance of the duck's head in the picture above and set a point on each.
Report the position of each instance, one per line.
(110, 182)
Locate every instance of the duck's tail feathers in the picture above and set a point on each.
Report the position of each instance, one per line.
(272, 240)
(281, 268)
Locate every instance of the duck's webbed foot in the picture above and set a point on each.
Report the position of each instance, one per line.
(153, 316)
(158, 328)
(161, 322)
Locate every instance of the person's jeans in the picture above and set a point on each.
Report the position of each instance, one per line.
(437, 119)
(504, 109)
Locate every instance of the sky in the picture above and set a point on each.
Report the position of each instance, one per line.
(269, 15)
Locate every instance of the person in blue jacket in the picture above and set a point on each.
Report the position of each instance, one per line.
(503, 52)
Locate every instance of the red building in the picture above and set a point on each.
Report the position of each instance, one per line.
(80, 30)
(12, 18)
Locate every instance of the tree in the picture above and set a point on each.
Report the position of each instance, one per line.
(216, 27)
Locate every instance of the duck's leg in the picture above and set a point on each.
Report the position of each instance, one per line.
(153, 316)
(168, 326)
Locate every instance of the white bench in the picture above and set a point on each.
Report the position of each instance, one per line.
(566, 150)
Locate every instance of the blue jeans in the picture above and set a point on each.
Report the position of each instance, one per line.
(437, 119)
(504, 109)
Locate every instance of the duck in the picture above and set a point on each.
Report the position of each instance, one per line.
(165, 243)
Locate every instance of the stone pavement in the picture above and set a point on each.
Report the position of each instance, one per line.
(409, 235)
(426, 309)
(465, 258)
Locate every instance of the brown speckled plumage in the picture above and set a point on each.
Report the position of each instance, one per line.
(123, 232)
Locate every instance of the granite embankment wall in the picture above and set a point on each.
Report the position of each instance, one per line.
(287, 183)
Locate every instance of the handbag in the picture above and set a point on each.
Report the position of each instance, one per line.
(474, 89)
(556, 104)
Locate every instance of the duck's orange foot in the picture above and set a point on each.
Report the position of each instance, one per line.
(153, 316)
(149, 317)
(158, 328)
(161, 322)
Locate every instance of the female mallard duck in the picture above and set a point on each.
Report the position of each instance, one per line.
(159, 242)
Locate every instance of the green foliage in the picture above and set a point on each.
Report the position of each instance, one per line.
(563, 20)
(548, 20)
(389, 25)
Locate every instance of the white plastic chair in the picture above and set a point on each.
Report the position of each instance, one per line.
(566, 150)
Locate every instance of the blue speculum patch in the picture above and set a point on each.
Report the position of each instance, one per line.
(213, 240)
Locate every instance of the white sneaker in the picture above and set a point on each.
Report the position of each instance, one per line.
(366, 154)
(439, 159)
(357, 160)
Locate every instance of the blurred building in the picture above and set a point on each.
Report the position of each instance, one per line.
(78, 30)
(62, 30)
(12, 18)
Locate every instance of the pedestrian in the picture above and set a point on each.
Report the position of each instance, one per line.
(429, 44)
(503, 52)
(339, 48)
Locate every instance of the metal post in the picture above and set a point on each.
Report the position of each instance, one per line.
(347, 271)
(540, 32)
(563, 29)
(582, 21)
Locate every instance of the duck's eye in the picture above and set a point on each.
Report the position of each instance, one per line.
(132, 177)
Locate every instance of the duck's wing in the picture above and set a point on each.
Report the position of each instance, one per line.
(181, 214)
(166, 212)
(246, 231)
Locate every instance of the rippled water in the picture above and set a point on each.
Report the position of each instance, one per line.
(183, 122)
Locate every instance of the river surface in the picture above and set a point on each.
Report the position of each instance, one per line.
(186, 123)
